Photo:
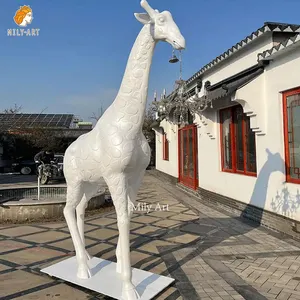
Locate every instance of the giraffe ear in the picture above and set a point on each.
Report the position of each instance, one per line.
(144, 18)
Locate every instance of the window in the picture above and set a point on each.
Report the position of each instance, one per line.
(291, 115)
(238, 151)
(165, 147)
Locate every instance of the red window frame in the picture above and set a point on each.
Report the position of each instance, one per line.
(165, 147)
(233, 129)
(286, 134)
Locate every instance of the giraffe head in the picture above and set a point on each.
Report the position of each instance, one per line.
(163, 27)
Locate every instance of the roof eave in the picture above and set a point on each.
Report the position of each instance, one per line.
(275, 53)
(268, 27)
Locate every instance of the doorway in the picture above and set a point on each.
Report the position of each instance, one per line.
(188, 156)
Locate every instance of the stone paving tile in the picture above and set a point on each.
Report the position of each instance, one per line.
(162, 214)
(68, 244)
(102, 221)
(54, 225)
(138, 257)
(4, 267)
(177, 208)
(100, 247)
(183, 217)
(145, 219)
(169, 293)
(31, 255)
(190, 212)
(18, 281)
(148, 230)
(211, 254)
(58, 292)
(8, 245)
(102, 234)
(45, 237)
(132, 226)
(18, 231)
(131, 236)
(87, 227)
(152, 246)
(111, 216)
(166, 223)
(184, 238)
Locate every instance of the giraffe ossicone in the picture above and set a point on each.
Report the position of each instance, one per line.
(116, 148)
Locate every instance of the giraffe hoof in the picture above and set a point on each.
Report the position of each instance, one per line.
(130, 293)
(84, 272)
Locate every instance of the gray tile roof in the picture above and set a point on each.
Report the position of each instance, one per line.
(230, 87)
(287, 43)
(268, 27)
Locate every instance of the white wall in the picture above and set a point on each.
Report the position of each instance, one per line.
(283, 74)
(266, 190)
(167, 166)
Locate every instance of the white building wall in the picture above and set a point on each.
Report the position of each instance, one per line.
(263, 103)
(170, 166)
(266, 190)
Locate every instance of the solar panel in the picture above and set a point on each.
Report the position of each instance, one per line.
(11, 121)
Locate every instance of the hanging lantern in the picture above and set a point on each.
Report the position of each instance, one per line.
(174, 58)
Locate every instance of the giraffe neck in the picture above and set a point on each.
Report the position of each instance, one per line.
(130, 103)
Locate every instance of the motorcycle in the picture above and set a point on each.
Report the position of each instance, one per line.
(52, 171)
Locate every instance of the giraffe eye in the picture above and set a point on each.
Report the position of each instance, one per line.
(161, 20)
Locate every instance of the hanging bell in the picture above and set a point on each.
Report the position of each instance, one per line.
(174, 58)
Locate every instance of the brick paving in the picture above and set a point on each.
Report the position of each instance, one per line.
(210, 253)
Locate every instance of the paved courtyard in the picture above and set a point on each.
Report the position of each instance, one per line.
(210, 253)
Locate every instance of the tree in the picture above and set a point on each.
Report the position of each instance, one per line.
(44, 138)
(97, 116)
(148, 121)
(13, 110)
(7, 140)
(24, 142)
(148, 131)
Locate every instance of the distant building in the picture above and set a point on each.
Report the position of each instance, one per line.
(67, 127)
(85, 125)
(66, 124)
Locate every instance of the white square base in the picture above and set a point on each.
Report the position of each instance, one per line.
(106, 281)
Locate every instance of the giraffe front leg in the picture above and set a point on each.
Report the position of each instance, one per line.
(118, 250)
(129, 291)
(119, 258)
(133, 185)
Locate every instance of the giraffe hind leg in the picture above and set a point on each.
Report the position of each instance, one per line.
(74, 196)
(80, 212)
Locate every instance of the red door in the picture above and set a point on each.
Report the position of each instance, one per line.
(187, 144)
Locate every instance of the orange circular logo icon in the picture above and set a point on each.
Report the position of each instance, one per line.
(23, 16)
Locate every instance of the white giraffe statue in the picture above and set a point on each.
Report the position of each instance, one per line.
(116, 148)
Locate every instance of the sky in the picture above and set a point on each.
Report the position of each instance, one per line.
(77, 62)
